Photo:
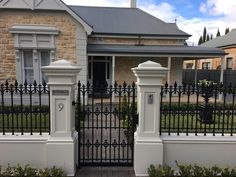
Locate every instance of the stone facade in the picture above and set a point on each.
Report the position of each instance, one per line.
(123, 67)
(66, 43)
(133, 41)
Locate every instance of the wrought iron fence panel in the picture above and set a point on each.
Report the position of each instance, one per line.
(198, 109)
(24, 108)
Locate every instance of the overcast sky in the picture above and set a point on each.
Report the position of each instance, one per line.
(191, 15)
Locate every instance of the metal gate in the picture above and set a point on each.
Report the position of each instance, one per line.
(105, 120)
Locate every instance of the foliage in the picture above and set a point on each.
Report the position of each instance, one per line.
(206, 83)
(200, 40)
(218, 33)
(79, 115)
(204, 35)
(190, 171)
(127, 111)
(160, 171)
(25, 108)
(226, 30)
(27, 171)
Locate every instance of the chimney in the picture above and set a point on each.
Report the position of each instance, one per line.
(133, 3)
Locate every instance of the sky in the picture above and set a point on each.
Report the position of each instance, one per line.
(191, 16)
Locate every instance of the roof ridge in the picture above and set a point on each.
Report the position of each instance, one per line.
(103, 7)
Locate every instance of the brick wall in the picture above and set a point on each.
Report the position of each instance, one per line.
(65, 41)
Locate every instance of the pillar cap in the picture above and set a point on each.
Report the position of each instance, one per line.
(150, 67)
(61, 67)
(149, 64)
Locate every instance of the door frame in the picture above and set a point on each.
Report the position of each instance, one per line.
(108, 66)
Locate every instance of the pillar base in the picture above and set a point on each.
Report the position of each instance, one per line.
(146, 152)
(61, 152)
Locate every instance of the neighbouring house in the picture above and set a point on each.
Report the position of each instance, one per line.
(228, 44)
(105, 42)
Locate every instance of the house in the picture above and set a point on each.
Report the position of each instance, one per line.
(105, 42)
(228, 44)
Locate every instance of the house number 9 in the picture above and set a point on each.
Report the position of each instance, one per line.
(60, 106)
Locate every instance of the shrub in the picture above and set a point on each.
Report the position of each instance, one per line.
(190, 171)
(27, 171)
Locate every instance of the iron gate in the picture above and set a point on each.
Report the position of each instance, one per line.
(105, 120)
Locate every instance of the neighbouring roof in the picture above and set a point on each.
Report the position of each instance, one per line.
(126, 21)
(222, 41)
(178, 51)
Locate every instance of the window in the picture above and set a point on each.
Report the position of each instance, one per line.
(34, 47)
(31, 67)
(229, 63)
(189, 66)
(206, 65)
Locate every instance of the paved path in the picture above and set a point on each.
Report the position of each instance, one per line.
(105, 172)
(106, 141)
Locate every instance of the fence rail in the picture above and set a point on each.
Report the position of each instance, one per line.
(198, 109)
(24, 108)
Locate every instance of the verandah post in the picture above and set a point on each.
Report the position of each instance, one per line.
(62, 143)
(148, 147)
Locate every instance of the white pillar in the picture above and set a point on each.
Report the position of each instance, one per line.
(195, 73)
(222, 69)
(222, 75)
(148, 147)
(169, 67)
(62, 144)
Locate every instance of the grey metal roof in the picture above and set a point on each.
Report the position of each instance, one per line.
(181, 51)
(128, 21)
(222, 41)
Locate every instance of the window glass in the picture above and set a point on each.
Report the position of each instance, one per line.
(45, 61)
(28, 66)
(229, 63)
(45, 58)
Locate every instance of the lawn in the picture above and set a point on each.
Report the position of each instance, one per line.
(190, 122)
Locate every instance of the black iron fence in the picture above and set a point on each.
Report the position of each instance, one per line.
(198, 109)
(24, 108)
(105, 120)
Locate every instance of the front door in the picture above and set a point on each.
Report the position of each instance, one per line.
(99, 74)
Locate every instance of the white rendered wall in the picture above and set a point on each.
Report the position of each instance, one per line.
(200, 150)
(39, 152)
(23, 150)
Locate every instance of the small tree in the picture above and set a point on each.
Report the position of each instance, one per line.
(218, 33)
(208, 37)
(200, 41)
(226, 30)
(211, 36)
(204, 35)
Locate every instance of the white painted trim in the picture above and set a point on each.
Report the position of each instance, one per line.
(155, 55)
(195, 73)
(169, 68)
(34, 29)
(86, 26)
